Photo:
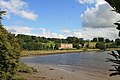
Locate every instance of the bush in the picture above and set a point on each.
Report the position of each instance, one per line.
(9, 53)
(18, 78)
(100, 46)
(116, 61)
(25, 69)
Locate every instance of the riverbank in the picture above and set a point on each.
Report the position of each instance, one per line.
(48, 52)
(48, 72)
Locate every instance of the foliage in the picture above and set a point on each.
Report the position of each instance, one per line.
(41, 43)
(9, 53)
(107, 41)
(111, 45)
(117, 42)
(28, 42)
(100, 39)
(25, 69)
(1, 13)
(76, 45)
(100, 46)
(94, 40)
(18, 78)
(115, 4)
(116, 61)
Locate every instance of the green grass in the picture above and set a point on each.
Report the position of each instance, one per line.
(23, 69)
(48, 52)
(18, 78)
(26, 69)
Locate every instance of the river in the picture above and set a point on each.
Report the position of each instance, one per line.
(76, 61)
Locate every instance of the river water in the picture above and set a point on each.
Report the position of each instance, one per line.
(74, 61)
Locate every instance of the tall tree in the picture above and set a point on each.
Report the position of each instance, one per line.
(95, 40)
(107, 40)
(9, 53)
(100, 39)
(115, 4)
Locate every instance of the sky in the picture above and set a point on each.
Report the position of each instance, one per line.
(60, 18)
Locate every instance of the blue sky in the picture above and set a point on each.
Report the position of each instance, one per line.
(60, 18)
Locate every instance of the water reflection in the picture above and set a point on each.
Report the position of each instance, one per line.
(76, 60)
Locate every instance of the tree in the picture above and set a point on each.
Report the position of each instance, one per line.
(100, 46)
(94, 40)
(1, 13)
(115, 4)
(9, 53)
(100, 39)
(117, 42)
(107, 40)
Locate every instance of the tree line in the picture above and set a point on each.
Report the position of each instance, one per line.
(28, 42)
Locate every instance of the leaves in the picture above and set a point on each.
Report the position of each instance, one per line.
(9, 53)
(116, 61)
(115, 4)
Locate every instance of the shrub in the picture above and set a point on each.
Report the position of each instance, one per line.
(100, 46)
(9, 53)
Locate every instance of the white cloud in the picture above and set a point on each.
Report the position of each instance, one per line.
(98, 21)
(66, 31)
(99, 16)
(110, 33)
(28, 15)
(71, 33)
(31, 31)
(48, 33)
(19, 30)
(18, 7)
(97, 2)
(87, 1)
(87, 33)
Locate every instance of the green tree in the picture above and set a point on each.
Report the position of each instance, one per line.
(107, 40)
(100, 46)
(117, 42)
(9, 53)
(100, 39)
(94, 40)
(115, 4)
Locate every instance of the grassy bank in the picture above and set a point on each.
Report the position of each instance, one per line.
(47, 52)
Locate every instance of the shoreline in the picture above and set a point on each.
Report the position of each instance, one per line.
(51, 52)
(66, 72)
(52, 72)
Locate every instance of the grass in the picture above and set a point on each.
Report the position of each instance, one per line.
(26, 69)
(22, 70)
(47, 52)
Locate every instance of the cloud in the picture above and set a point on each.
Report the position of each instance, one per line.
(98, 21)
(89, 33)
(18, 7)
(87, 1)
(99, 17)
(48, 33)
(97, 2)
(19, 30)
(66, 31)
(42, 32)
(72, 33)
(110, 33)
